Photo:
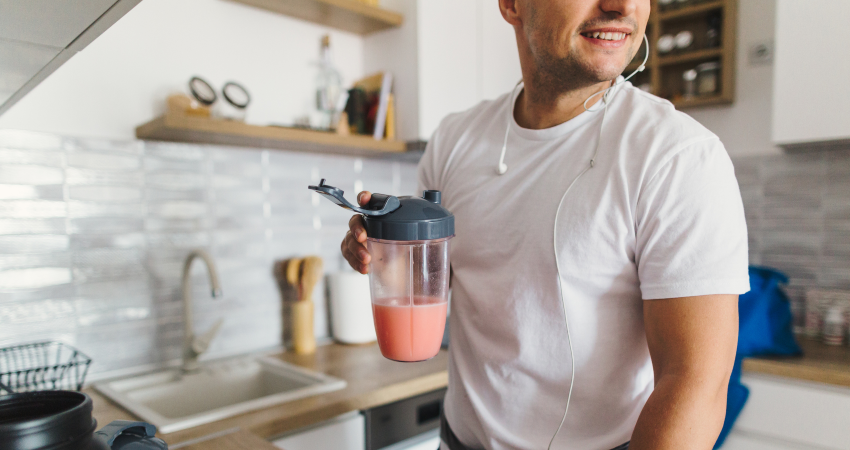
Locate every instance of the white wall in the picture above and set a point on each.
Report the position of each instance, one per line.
(395, 50)
(122, 78)
(447, 57)
(745, 126)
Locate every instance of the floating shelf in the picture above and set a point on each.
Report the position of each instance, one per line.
(702, 101)
(663, 73)
(694, 55)
(179, 128)
(347, 15)
(690, 11)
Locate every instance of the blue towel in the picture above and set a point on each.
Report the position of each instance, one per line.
(765, 320)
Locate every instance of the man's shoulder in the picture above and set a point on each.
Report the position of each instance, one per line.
(657, 127)
(661, 116)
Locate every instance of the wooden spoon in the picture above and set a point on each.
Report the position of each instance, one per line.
(311, 273)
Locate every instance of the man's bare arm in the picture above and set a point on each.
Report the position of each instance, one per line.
(692, 343)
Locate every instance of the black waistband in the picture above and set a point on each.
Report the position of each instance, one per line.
(448, 436)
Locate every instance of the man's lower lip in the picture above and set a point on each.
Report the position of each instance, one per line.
(606, 43)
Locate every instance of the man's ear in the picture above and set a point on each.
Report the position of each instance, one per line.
(510, 12)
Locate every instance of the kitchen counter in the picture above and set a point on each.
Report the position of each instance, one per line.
(820, 363)
(372, 381)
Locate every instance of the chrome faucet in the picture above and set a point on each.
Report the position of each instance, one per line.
(194, 346)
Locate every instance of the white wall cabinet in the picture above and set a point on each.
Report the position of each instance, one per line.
(38, 36)
(446, 57)
(785, 414)
(19, 62)
(54, 23)
(346, 432)
(810, 93)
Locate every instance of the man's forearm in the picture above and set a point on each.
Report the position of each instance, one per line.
(684, 412)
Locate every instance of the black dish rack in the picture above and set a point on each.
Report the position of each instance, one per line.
(41, 366)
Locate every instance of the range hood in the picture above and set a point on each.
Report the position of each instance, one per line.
(38, 36)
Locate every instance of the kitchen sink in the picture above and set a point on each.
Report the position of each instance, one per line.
(174, 401)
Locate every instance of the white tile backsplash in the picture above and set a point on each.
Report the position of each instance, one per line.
(93, 234)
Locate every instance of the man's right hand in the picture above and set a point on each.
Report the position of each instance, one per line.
(354, 244)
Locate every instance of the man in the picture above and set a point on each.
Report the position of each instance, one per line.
(648, 253)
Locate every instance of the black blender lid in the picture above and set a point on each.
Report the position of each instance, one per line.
(398, 218)
(53, 419)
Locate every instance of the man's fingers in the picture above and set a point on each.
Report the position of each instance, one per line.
(354, 244)
(358, 251)
(364, 197)
(355, 225)
(355, 252)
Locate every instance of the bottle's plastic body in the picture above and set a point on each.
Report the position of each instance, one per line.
(410, 289)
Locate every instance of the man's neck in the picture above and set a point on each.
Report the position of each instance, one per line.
(538, 108)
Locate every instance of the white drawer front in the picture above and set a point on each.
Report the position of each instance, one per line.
(738, 440)
(796, 412)
(347, 432)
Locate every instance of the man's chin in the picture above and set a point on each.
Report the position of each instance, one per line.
(605, 73)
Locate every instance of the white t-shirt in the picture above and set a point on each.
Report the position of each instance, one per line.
(658, 216)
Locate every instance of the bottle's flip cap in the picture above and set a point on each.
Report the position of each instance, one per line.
(398, 218)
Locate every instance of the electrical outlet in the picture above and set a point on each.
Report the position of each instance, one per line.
(761, 54)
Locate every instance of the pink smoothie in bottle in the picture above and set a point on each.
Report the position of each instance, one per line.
(410, 332)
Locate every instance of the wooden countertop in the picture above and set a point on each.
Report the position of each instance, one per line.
(820, 363)
(372, 380)
(230, 440)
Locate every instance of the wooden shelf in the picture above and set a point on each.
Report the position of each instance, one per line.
(664, 73)
(178, 128)
(347, 15)
(694, 55)
(820, 363)
(689, 11)
(701, 101)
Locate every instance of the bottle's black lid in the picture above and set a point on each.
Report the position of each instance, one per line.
(398, 218)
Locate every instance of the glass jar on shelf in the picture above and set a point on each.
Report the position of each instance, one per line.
(708, 78)
(683, 40)
(689, 81)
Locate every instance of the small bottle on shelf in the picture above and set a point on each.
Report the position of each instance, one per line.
(712, 33)
(328, 87)
(833, 326)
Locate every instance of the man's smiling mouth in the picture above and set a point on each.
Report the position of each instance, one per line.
(605, 36)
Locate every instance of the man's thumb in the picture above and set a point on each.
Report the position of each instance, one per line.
(364, 197)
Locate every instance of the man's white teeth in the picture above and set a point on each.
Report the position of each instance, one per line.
(606, 36)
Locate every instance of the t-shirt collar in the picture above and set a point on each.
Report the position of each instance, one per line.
(566, 127)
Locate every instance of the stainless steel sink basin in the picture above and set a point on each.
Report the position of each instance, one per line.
(173, 401)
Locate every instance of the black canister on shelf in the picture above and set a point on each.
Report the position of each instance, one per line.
(62, 420)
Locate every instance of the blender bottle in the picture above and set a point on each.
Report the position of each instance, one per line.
(408, 238)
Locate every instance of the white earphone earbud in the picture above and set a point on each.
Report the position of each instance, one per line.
(502, 168)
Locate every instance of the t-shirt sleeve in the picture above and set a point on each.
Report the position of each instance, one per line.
(691, 234)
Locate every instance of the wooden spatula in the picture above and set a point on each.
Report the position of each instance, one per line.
(311, 273)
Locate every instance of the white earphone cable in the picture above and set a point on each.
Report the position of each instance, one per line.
(503, 167)
(558, 267)
(605, 91)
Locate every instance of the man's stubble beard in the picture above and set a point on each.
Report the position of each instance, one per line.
(555, 75)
